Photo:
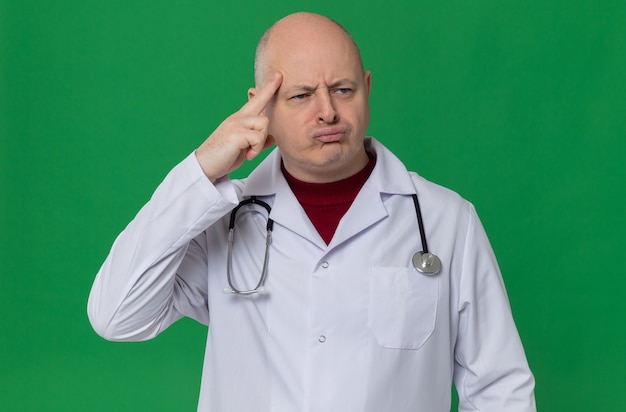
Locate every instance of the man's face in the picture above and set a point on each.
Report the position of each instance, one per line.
(320, 114)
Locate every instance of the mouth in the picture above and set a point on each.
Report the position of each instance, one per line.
(330, 134)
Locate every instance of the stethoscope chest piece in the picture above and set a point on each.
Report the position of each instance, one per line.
(426, 263)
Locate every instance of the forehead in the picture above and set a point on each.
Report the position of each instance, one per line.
(311, 55)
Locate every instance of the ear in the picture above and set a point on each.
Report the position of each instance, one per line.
(368, 82)
(251, 93)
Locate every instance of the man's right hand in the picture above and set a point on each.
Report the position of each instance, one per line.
(243, 135)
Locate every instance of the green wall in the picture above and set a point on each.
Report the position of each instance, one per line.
(518, 105)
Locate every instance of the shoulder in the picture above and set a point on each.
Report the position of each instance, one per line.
(435, 192)
(441, 203)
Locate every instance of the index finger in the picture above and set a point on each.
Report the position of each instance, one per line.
(262, 97)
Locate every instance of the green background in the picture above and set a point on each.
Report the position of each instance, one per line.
(520, 106)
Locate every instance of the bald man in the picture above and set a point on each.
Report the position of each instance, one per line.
(312, 300)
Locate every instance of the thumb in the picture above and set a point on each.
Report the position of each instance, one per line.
(269, 142)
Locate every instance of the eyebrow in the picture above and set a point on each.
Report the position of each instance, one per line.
(307, 88)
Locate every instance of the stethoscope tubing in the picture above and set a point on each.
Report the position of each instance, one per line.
(420, 223)
(423, 261)
(231, 238)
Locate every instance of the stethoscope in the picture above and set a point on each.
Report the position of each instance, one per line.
(424, 261)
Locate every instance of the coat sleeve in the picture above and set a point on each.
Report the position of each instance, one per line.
(156, 271)
(491, 371)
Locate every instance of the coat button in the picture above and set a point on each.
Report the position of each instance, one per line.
(325, 265)
(322, 339)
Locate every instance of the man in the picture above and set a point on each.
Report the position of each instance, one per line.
(346, 322)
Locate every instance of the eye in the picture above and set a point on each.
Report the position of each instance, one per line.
(343, 91)
(301, 96)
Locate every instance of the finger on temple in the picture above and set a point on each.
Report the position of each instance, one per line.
(258, 123)
(264, 95)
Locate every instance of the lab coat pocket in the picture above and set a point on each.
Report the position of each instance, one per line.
(402, 307)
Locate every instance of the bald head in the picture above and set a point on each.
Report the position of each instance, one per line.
(300, 30)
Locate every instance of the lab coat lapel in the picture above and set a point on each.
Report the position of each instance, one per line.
(366, 210)
(288, 212)
(268, 180)
(389, 177)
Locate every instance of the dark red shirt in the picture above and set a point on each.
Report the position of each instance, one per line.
(326, 203)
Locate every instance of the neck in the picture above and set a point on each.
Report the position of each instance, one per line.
(327, 173)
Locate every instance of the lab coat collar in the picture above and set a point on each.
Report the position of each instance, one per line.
(389, 176)
(267, 181)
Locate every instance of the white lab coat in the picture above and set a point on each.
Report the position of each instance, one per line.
(350, 326)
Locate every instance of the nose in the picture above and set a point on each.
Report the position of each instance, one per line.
(327, 113)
